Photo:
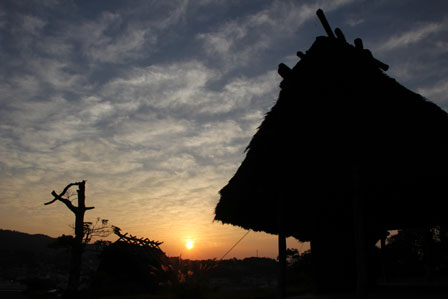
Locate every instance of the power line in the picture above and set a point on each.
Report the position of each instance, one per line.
(235, 244)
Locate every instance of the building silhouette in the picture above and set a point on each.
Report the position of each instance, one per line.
(344, 155)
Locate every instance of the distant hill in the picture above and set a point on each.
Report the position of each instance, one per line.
(14, 240)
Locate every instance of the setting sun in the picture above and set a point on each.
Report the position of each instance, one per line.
(190, 244)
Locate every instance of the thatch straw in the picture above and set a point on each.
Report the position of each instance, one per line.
(337, 110)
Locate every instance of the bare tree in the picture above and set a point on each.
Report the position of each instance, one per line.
(99, 229)
(77, 244)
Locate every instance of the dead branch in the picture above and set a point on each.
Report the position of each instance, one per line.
(66, 201)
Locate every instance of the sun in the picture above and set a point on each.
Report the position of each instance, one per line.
(189, 244)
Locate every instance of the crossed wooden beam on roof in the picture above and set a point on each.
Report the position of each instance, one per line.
(284, 70)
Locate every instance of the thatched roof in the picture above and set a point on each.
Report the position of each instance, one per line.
(337, 110)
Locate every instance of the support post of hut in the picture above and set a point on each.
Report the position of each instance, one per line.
(428, 254)
(359, 234)
(281, 249)
(384, 258)
(282, 266)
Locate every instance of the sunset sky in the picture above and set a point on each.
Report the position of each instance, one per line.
(154, 102)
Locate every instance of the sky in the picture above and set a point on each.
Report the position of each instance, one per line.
(153, 103)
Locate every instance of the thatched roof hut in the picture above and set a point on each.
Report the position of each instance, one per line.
(341, 128)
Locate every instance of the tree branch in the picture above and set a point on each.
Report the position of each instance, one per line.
(67, 202)
(68, 187)
(59, 197)
(50, 202)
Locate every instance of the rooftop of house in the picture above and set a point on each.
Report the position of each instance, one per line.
(338, 111)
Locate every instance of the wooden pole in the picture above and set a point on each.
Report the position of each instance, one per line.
(281, 249)
(320, 14)
(359, 232)
(384, 259)
(428, 254)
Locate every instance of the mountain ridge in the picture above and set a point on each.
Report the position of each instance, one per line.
(16, 240)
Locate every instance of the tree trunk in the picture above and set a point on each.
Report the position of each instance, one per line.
(77, 247)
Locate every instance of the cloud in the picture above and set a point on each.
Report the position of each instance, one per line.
(103, 39)
(352, 22)
(153, 103)
(162, 86)
(151, 140)
(240, 41)
(185, 86)
(32, 24)
(128, 34)
(241, 93)
(412, 36)
(438, 92)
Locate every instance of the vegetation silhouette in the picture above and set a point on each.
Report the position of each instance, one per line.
(417, 253)
(35, 262)
(345, 155)
(130, 265)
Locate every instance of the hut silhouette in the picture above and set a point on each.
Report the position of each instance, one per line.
(344, 155)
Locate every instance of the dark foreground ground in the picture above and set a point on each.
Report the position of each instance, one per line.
(32, 269)
(383, 291)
